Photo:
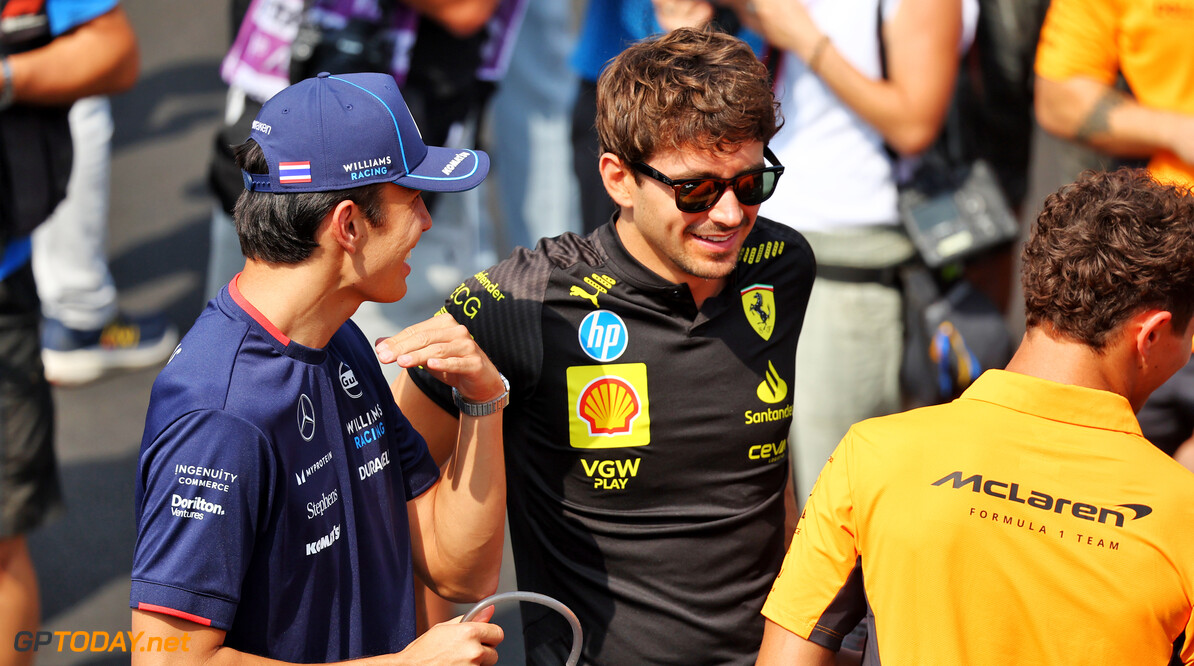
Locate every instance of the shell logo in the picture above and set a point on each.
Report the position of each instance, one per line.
(609, 405)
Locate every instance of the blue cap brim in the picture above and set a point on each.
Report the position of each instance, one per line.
(447, 170)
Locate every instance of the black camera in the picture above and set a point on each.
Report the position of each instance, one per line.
(361, 45)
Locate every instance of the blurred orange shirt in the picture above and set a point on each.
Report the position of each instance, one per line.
(1150, 41)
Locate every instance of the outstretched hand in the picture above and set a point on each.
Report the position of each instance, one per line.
(447, 350)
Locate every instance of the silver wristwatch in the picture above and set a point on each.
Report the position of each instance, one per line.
(482, 408)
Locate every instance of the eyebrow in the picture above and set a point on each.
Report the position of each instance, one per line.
(761, 165)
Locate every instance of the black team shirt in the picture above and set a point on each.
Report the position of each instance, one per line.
(646, 441)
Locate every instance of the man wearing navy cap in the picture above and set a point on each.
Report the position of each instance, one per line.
(283, 501)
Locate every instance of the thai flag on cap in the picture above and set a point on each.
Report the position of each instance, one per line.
(294, 172)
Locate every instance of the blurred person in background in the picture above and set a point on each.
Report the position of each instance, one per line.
(84, 335)
(607, 27)
(51, 54)
(843, 108)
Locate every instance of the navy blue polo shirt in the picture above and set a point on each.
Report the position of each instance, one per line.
(272, 488)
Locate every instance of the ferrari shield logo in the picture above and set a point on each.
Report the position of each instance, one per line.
(758, 302)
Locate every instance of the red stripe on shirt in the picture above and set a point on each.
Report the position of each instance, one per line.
(234, 292)
(141, 605)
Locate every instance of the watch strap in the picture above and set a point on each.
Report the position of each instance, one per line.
(482, 408)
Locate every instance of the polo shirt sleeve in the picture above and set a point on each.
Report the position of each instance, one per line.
(66, 15)
(1078, 38)
(818, 594)
(206, 485)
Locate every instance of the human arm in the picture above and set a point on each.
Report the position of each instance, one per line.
(791, 509)
(1095, 113)
(672, 14)
(452, 643)
(818, 595)
(462, 18)
(457, 525)
(908, 107)
(781, 646)
(438, 427)
(96, 58)
(1083, 46)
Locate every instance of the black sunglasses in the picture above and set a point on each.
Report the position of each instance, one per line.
(694, 195)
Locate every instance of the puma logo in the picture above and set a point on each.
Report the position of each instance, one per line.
(578, 291)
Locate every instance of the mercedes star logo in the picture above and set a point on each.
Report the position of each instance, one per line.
(306, 417)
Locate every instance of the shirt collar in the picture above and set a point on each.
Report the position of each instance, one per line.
(1067, 403)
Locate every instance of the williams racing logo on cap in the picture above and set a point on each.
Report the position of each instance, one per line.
(758, 302)
(610, 407)
(368, 168)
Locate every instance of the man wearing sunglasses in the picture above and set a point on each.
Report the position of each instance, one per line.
(650, 366)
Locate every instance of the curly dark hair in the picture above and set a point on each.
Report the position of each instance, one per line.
(1107, 247)
(688, 88)
(279, 227)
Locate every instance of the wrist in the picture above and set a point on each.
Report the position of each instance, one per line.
(484, 408)
(817, 53)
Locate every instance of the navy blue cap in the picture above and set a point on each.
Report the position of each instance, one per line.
(348, 130)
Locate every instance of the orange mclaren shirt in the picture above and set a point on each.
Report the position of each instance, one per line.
(1150, 41)
(1027, 522)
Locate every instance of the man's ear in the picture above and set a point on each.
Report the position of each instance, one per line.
(347, 226)
(618, 178)
(1151, 325)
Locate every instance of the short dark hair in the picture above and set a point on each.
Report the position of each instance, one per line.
(1107, 247)
(688, 88)
(280, 227)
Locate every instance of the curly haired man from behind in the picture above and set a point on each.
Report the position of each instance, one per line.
(1010, 526)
